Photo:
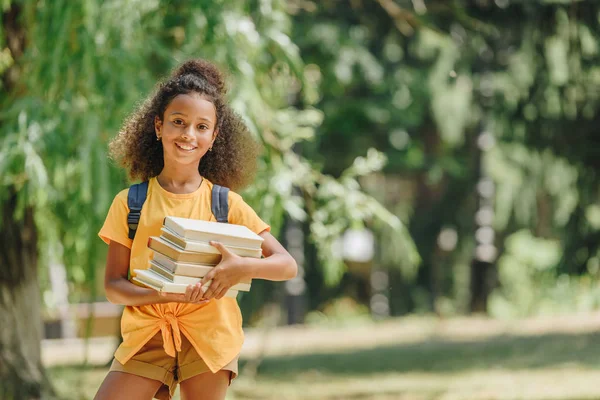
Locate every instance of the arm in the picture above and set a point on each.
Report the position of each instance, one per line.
(278, 265)
(120, 291)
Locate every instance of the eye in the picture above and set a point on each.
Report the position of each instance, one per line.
(178, 122)
(202, 127)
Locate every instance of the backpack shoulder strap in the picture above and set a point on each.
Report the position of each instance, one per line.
(220, 205)
(135, 200)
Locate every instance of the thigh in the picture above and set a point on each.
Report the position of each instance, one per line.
(121, 385)
(206, 386)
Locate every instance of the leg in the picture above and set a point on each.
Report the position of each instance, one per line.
(121, 385)
(206, 386)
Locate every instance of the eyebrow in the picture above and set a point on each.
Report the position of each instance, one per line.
(185, 115)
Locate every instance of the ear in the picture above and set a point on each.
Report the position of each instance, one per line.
(214, 137)
(157, 126)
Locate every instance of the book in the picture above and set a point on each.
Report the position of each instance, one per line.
(205, 231)
(205, 247)
(157, 282)
(181, 268)
(188, 280)
(176, 253)
(160, 287)
(164, 272)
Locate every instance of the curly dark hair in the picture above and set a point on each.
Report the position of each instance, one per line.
(232, 161)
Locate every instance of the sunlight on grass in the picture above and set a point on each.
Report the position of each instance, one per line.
(546, 367)
(412, 359)
(548, 384)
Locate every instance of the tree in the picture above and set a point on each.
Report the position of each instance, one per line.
(418, 81)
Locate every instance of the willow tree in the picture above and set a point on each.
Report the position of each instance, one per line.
(70, 73)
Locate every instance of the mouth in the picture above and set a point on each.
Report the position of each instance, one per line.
(185, 147)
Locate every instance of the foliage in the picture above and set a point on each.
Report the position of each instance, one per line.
(334, 92)
(72, 93)
(420, 79)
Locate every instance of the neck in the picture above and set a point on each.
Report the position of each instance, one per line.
(179, 179)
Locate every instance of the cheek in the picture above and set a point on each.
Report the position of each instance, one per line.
(204, 137)
(168, 130)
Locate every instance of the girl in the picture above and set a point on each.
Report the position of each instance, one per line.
(181, 140)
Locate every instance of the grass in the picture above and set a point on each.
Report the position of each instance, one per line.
(545, 366)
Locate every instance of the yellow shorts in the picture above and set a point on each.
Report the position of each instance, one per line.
(152, 362)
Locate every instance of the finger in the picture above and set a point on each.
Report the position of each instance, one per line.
(221, 293)
(197, 293)
(191, 293)
(212, 290)
(222, 249)
(208, 277)
(188, 292)
(209, 294)
(201, 292)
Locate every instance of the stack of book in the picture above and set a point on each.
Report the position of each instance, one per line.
(182, 254)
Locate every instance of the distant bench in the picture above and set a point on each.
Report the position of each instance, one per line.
(105, 322)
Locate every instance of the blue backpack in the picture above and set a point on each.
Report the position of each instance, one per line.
(137, 196)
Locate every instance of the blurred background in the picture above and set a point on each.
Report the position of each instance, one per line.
(432, 165)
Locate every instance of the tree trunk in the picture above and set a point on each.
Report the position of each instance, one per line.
(482, 283)
(22, 375)
(483, 266)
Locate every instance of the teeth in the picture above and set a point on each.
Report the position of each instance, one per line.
(185, 147)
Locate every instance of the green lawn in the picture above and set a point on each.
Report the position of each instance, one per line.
(559, 365)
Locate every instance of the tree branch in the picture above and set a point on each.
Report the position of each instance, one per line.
(405, 21)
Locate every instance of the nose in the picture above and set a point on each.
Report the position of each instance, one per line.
(188, 132)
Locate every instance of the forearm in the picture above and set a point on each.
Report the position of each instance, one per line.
(276, 267)
(121, 291)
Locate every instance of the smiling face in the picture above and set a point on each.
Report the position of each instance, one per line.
(187, 130)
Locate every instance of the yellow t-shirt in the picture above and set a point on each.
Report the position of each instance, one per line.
(215, 328)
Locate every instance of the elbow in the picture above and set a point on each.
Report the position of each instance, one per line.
(110, 293)
(110, 296)
(292, 270)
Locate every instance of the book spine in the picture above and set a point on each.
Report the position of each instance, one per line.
(195, 271)
(225, 240)
(175, 288)
(167, 274)
(164, 261)
(186, 280)
(199, 247)
(178, 288)
(203, 247)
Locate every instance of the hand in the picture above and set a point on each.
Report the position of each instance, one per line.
(230, 271)
(193, 295)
